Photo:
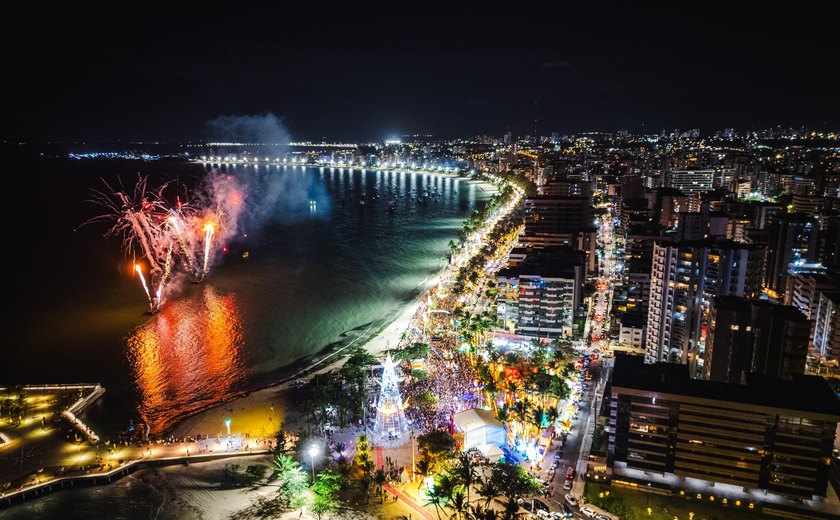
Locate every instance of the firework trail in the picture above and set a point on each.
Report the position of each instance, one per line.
(175, 224)
(166, 270)
(208, 238)
(145, 287)
(133, 217)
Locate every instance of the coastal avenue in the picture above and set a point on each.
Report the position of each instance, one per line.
(573, 451)
(576, 447)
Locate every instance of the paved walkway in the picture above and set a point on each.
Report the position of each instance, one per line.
(424, 513)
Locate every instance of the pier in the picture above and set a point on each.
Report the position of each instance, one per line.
(37, 459)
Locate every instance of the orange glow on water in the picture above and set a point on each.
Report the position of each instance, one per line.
(186, 358)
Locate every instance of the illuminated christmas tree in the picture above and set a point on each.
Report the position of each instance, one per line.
(391, 427)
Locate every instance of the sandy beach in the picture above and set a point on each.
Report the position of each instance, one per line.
(260, 412)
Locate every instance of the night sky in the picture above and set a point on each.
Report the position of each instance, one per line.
(146, 72)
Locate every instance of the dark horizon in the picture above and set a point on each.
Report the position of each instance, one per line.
(80, 74)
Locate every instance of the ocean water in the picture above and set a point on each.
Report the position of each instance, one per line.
(321, 270)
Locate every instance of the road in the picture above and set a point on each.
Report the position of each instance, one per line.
(575, 452)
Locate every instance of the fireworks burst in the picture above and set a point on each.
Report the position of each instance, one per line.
(150, 228)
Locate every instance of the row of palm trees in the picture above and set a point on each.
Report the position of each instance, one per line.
(524, 389)
(452, 494)
(474, 328)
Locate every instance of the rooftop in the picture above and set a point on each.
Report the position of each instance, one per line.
(803, 393)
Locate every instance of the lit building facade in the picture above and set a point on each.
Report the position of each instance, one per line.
(770, 434)
(685, 276)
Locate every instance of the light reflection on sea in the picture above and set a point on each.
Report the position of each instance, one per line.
(333, 255)
(186, 357)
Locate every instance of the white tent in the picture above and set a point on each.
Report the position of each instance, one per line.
(480, 428)
(491, 451)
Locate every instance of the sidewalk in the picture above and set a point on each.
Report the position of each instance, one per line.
(423, 512)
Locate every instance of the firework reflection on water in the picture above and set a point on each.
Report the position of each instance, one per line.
(187, 357)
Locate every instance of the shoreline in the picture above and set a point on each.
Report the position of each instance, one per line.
(261, 410)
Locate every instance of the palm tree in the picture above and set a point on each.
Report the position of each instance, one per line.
(284, 463)
(479, 513)
(362, 444)
(536, 418)
(510, 511)
(488, 490)
(502, 414)
(551, 414)
(563, 350)
(464, 472)
(423, 468)
(458, 504)
(435, 497)
(453, 247)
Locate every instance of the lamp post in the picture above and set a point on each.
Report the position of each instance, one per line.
(413, 464)
(227, 423)
(313, 450)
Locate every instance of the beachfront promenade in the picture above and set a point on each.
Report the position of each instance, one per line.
(36, 458)
(157, 456)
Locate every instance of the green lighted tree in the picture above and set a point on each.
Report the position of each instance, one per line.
(325, 493)
(292, 482)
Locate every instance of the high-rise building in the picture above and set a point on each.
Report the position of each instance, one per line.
(829, 239)
(670, 202)
(631, 331)
(754, 336)
(567, 188)
(691, 181)
(638, 259)
(702, 224)
(804, 288)
(807, 204)
(685, 276)
(769, 435)
(632, 187)
(634, 211)
(827, 326)
(542, 295)
(561, 221)
(793, 239)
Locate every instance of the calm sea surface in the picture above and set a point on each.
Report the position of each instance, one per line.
(321, 270)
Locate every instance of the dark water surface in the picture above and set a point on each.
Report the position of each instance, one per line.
(317, 276)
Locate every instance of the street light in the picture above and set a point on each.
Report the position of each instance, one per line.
(313, 450)
(227, 423)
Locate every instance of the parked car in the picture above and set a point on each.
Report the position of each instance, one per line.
(539, 505)
(567, 511)
(567, 485)
(588, 511)
(527, 505)
(571, 500)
